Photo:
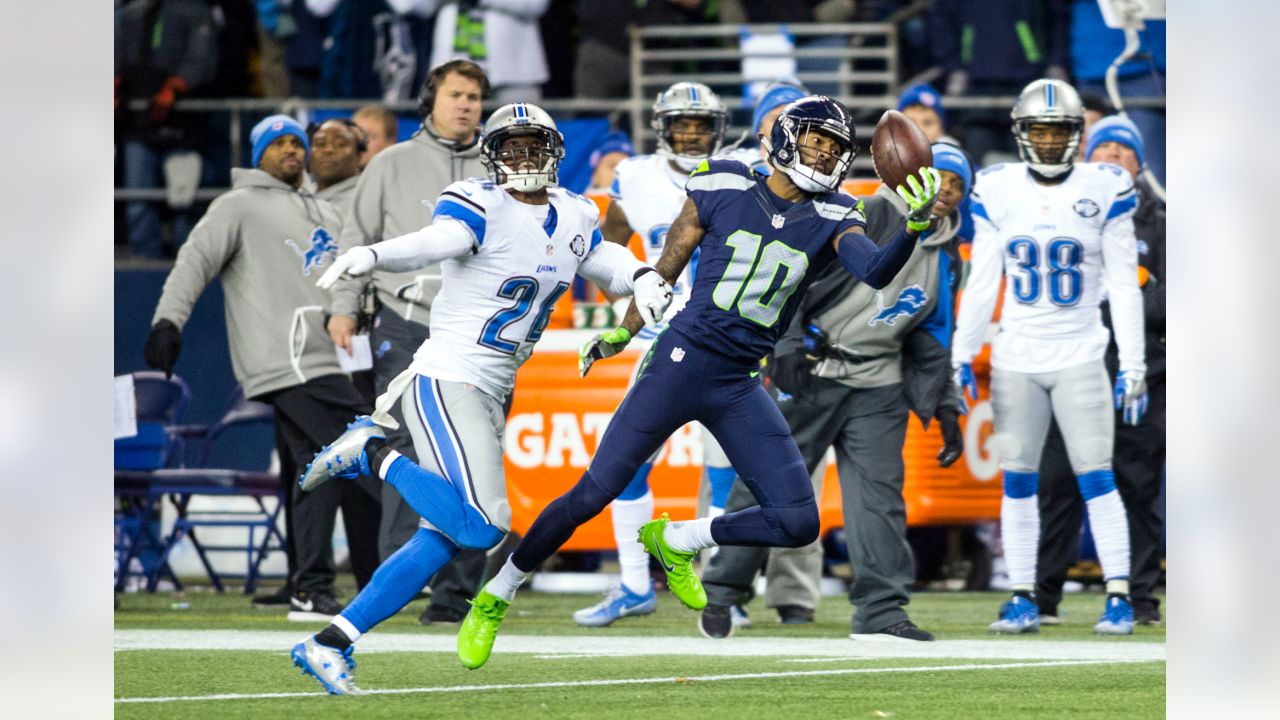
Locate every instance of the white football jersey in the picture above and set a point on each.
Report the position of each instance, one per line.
(1062, 249)
(651, 194)
(495, 302)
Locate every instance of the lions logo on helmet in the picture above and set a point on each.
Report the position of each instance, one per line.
(688, 100)
(1048, 102)
(529, 167)
(815, 113)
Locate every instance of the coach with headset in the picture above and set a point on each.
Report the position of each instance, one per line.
(394, 196)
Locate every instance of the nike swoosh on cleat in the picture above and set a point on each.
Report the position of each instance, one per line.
(662, 559)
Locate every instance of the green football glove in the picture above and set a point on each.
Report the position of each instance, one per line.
(920, 198)
(606, 344)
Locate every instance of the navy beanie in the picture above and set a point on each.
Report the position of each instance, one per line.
(926, 95)
(272, 127)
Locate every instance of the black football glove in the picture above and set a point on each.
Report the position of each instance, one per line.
(163, 346)
(952, 436)
(792, 372)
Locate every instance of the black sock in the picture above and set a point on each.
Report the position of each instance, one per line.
(377, 451)
(334, 638)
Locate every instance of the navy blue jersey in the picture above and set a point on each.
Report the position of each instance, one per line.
(755, 257)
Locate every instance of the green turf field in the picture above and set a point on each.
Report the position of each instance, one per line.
(544, 665)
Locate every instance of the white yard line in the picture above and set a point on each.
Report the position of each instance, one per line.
(741, 645)
(631, 681)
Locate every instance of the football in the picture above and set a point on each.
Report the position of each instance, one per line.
(898, 148)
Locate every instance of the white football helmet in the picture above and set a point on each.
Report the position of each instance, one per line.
(527, 169)
(688, 99)
(1050, 102)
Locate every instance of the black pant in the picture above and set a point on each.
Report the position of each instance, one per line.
(307, 417)
(394, 342)
(1139, 467)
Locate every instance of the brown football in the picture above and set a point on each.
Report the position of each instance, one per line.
(899, 148)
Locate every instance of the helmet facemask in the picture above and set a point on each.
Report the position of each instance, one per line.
(803, 162)
(1046, 161)
(668, 126)
(523, 166)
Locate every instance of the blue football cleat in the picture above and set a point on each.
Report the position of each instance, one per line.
(1117, 617)
(618, 603)
(1019, 615)
(334, 669)
(344, 457)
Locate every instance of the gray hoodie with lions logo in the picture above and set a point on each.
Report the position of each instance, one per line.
(269, 243)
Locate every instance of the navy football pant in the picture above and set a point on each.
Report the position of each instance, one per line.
(682, 383)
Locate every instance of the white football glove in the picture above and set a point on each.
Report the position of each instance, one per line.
(356, 261)
(652, 295)
(1131, 395)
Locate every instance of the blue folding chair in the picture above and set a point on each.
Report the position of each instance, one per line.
(160, 403)
(226, 469)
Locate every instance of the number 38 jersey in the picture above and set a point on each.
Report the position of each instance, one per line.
(755, 257)
(1062, 250)
(495, 301)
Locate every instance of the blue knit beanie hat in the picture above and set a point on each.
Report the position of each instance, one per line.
(949, 157)
(272, 127)
(926, 95)
(1116, 129)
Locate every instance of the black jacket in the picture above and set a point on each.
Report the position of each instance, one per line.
(1148, 225)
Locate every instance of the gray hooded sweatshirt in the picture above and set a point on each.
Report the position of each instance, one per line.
(342, 195)
(269, 243)
(396, 195)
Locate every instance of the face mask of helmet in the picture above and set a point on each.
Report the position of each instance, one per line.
(791, 160)
(528, 167)
(1048, 102)
(1049, 163)
(667, 141)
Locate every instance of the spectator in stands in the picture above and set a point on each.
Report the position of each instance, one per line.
(1093, 48)
(164, 50)
(1096, 107)
(994, 48)
(381, 128)
(389, 203)
(502, 37)
(923, 104)
(851, 369)
(615, 148)
(774, 98)
(274, 26)
(602, 68)
(267, 239)
(740, 12)
(1139, 449)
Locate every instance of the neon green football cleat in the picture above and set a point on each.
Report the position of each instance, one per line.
(681, 578)
(479, 628)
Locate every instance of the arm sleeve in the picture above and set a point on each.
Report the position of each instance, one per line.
(610, 266)
(443, 239)
(1120, 265)
(872, 265)
(361, 226)
(211, 244)
(980, 291)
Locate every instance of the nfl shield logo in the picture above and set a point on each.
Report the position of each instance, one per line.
(551, 249)
(778, 220)
(677, 354)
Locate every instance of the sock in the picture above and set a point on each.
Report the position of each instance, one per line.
(1118, 586)
(628, 516)
(507, 581)
(336, 637)
(1108, 522)
(1020, 527)
(721, 479)
(377, 452)
(690, 535)
(399, 579)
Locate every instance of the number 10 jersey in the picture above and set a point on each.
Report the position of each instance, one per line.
(755, 257)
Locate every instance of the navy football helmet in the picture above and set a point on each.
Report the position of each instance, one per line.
(815, 113)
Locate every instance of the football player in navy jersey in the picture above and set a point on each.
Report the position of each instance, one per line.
(758, 237)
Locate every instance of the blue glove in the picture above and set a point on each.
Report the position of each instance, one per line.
(1131, 395)
(967, 383)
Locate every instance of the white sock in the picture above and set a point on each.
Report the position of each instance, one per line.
(386, 464)
(690, 535)
(628, 516)
(506, 582)
(1020, 534)
(346, 627)
(714, 512)
(1110, 529)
